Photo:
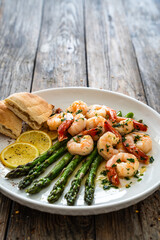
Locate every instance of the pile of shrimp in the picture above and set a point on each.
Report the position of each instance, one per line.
(122, 142)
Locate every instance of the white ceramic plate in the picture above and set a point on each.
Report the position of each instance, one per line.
(105, 201)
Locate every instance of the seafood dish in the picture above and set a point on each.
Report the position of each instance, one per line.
(87, 137)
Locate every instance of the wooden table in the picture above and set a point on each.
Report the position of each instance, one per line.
(110, 44)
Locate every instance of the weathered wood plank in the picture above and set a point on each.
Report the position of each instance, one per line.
(60, 62)
(110, 55)
(31, 224)
(61, 55)
(17, 52)
(112, 64)
(19, 31)
(5, 204)
(144, 23)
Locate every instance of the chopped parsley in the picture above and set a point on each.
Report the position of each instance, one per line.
(104, 181)
(79, 136)
(140, 121)
(139, 179)
(136, 174)
(117, 125)
(101, 150)
(74, 140)
(79, 111)
(151, 160)
(127, 178)
(131, 160)
(104, 172)
(137, 138)
(119, 160)
(107, 146)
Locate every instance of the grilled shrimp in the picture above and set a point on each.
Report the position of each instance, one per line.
(96, 110)
(111, 114)
(96, 122)
(78, 125)
(139, 144)
(55, 121)
(124, 126)
(106, 145)
(121, 165)
(141, 140)
(137, 125)
(77, 107)
(82, 145)
(101, 110)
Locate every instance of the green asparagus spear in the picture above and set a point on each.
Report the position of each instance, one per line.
(129, 115)
(76, 183)
(45, 181)
(119, 114)
(90, 182)
(23, 170)
(38, 169)
(60, 184)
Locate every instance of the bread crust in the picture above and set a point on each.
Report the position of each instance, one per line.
(10, 124)
(31, 108)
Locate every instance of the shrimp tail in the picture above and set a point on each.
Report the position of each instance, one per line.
(92, 132)
(113, 176)
(112, 115)
(62, 130)
(109, 128)
(139, 126)
(142, 157)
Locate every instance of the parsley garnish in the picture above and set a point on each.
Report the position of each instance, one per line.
(119, 160)
(79, 111)
(151, 160)
(74, 139)
(131, 159)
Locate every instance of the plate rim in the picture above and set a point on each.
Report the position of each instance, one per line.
(79, 210)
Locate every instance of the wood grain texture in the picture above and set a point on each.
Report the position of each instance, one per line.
(110, 55)
(19, 32)
(17, 52)
(61, 55)
(60, 62)
(31, 224)
(144, 24)
(5, 205)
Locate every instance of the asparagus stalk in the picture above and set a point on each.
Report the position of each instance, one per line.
(90, 182)
(23, 170)
(60, 184)
(38, 169)
(76, 183)
(45, 181)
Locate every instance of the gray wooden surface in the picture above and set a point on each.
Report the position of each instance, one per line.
(107, 44)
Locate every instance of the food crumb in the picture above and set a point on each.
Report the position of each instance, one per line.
(16, 212)
(137, 211)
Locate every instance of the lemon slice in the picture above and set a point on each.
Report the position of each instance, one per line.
(38, 138)
(53, 134)
(18, 154)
